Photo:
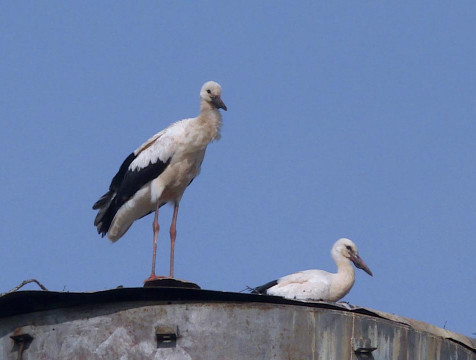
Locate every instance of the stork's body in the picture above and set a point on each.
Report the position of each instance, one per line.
(159, 171)
(320, 284)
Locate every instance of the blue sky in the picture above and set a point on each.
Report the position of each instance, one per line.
(345, 119)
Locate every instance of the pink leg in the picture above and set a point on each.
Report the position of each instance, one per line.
(173, 234)
(155, 228)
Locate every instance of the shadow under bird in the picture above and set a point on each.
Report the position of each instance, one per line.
(159, 171)
(320, 284)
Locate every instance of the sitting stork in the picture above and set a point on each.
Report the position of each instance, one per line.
(320, 284)
(159, 171)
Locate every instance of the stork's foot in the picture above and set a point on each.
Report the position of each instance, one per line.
(154, 277)
(168, 282)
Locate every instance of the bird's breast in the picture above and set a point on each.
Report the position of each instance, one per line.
(171, 184)
(341, 284)
(203, 131)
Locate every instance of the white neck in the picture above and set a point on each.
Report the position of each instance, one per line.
(344, 278)
(205, 105)
(210, 118)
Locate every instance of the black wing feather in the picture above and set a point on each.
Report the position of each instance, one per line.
(123, 186)
(262, 289)
(134, 180)
(115, 183)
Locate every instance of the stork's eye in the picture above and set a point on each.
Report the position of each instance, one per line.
(348, 247)
(208, 91)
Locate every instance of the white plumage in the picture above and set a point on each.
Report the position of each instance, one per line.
(159, 171)
(320, 284)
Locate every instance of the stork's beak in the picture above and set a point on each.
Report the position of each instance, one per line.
(359, 263)
(218, 102)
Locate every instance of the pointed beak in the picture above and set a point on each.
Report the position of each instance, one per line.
(218, 102)
(359, 263)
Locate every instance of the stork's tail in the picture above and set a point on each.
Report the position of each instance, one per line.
(106, 212)
(262, 289)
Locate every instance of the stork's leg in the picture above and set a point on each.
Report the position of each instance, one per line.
(155, 228)
(173, 234)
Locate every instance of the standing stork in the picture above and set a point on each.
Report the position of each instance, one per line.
(320, 284)
(159, 171)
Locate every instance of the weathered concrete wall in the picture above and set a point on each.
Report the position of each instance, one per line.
(217, 330)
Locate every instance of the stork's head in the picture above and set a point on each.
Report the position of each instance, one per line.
(211, 93)
(347, 249)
